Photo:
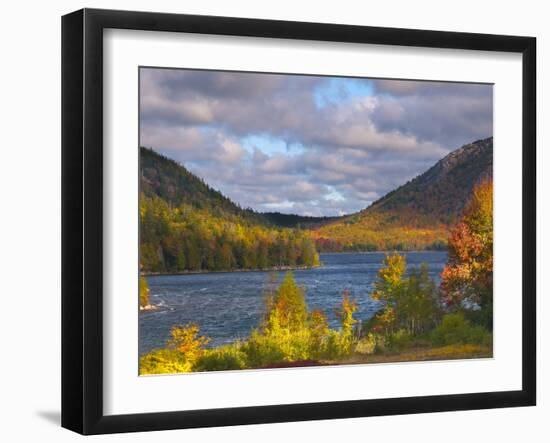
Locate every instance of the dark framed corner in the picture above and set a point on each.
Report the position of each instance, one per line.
(82, 220)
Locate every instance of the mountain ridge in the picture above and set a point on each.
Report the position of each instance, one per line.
(165, 178)
(417, 214)
(187, 226)
(459, 170)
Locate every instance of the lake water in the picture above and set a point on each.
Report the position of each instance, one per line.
(227, 306)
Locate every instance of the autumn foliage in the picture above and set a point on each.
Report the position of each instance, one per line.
(467, 280)
(143, 292)
(381, 231)
(184, 348)
(289, 333)
(186, 238)
(413, 314)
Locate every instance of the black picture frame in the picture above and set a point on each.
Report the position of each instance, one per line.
(82, 219)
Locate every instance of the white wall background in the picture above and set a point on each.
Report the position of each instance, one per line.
(30, 219)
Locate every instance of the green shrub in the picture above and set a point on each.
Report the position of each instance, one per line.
(290, 332)
(332, 346)
(481, 317)
(164, 361)
(365, 346)
(380, 343)
(224, 358)
(399, 340)
(455, 329)
(183, 349)
(262, 350)
(143, 292)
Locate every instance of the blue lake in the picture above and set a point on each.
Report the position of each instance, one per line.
(227, 306)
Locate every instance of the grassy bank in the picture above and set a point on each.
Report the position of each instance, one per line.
(450, 352)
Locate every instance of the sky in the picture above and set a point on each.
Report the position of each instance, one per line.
(308, 145)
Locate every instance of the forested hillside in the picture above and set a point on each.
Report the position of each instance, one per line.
(188, 226)
(168, 180)
(417, 214)
(185, 225)
(293, 220)
(440, 193)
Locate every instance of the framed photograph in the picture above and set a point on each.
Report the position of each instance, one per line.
(268, 221)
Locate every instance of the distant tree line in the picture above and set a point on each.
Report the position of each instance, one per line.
(186, 238)
(382, 231)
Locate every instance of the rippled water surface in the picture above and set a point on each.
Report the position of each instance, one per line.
(227, 306)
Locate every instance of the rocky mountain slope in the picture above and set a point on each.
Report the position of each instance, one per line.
(442, 191)
(417, 214)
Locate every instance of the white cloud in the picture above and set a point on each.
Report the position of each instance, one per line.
(352, 151)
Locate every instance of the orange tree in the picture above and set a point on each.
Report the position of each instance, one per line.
(467, 279)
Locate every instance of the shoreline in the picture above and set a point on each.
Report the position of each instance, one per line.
(280, 268)
(383, 251)
(228, 271)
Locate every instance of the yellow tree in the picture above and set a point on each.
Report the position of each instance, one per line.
(143, 292)
(388, 288)
(186, 339)
(347, 321)
(288, 305)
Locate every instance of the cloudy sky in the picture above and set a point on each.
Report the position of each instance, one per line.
(305, 144)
